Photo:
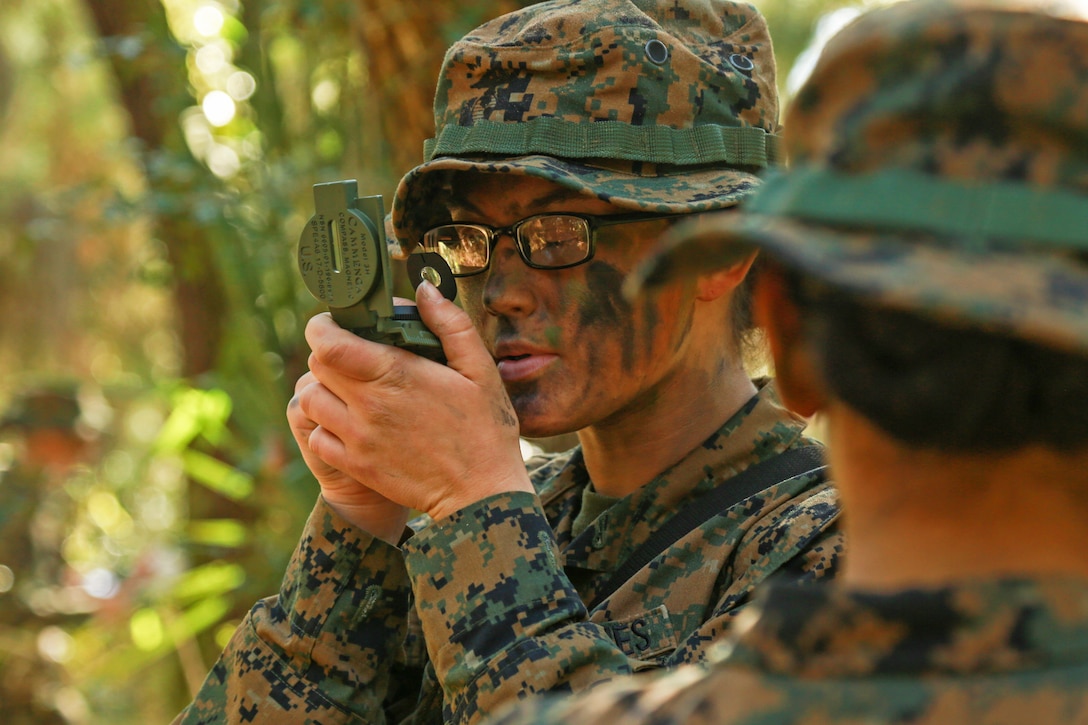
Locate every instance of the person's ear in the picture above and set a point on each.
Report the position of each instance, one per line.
(799, 382)
(723, 281)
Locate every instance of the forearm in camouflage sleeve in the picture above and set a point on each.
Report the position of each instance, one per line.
(325, 648)
(500, 617)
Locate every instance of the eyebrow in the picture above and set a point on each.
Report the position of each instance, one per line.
(458, 200)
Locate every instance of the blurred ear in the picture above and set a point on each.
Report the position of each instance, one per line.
(799, 382)
(713, 285)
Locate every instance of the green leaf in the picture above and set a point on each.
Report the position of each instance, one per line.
(201, 616)
(218, 532)
(209, 580)
(146, 629)
(195, 413)
(217, 476)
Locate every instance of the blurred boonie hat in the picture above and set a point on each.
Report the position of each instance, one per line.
(54, 408)
(939, 163)
(650, 105)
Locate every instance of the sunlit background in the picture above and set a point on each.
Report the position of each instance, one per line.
(156, 160)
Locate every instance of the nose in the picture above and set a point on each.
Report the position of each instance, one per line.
(508, 287)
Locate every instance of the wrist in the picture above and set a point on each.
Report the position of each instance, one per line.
(378, 521)
(451, 504)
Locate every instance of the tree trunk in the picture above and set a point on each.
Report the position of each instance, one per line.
(149, 70)
(405, 45)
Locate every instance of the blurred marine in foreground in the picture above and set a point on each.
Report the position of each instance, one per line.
(928, 292)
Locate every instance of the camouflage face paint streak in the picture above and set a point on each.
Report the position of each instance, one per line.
(604, 306)
(553, 334)
(525, 397)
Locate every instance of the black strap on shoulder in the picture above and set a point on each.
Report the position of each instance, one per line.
(757, 477)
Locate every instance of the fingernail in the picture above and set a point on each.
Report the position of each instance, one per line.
(427, 290)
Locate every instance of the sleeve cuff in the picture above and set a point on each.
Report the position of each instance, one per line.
(345, 597)
(334, 560)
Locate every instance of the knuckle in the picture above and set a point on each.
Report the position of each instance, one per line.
(456, 320)
(367, 413)
(331, 355)
(295, 414)
(396, 375)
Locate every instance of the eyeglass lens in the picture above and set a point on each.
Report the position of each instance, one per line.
(547, 241)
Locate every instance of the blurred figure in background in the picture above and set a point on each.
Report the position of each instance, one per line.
(46, 439)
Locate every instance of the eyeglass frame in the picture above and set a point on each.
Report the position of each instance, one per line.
(594, 222)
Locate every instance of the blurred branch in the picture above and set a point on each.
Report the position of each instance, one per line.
(7, 82)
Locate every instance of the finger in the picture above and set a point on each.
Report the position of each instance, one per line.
(312, 405)
(302, 428)
(318, 406)
(296, 417)
(348, 355)
(305, 379)
(465, 351)
(328, 449)
(297, 420)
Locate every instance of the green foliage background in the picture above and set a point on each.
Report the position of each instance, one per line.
(146, 256)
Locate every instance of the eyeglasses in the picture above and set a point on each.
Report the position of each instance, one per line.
(544, 241)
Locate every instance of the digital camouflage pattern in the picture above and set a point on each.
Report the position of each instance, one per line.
(489, 605)
(665, 107)
(1004, 652)
(941, 155)
(939, 163)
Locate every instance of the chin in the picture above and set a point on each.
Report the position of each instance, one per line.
(540, 415)
(539, 426)
(530, 428)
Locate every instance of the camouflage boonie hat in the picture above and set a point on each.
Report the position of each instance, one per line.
(650, 105)
(939, 163)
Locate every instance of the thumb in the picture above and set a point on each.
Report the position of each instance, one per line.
(465, 351)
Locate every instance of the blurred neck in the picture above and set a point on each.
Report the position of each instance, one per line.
(928, 518)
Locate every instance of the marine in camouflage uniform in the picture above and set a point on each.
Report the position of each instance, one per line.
(648, 106)
(938, 190)
(500, 593)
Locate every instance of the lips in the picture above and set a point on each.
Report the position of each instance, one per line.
(519, 363)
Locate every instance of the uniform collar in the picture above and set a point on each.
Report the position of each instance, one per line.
(760, 429)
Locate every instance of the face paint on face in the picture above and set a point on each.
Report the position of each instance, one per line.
(573, 351)
(552, 334)
(604, 307)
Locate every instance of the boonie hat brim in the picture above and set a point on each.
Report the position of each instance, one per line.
(1036, 296)
(653, 188)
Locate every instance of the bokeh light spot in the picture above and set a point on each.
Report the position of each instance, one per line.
(218, 108)
(208, 21)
